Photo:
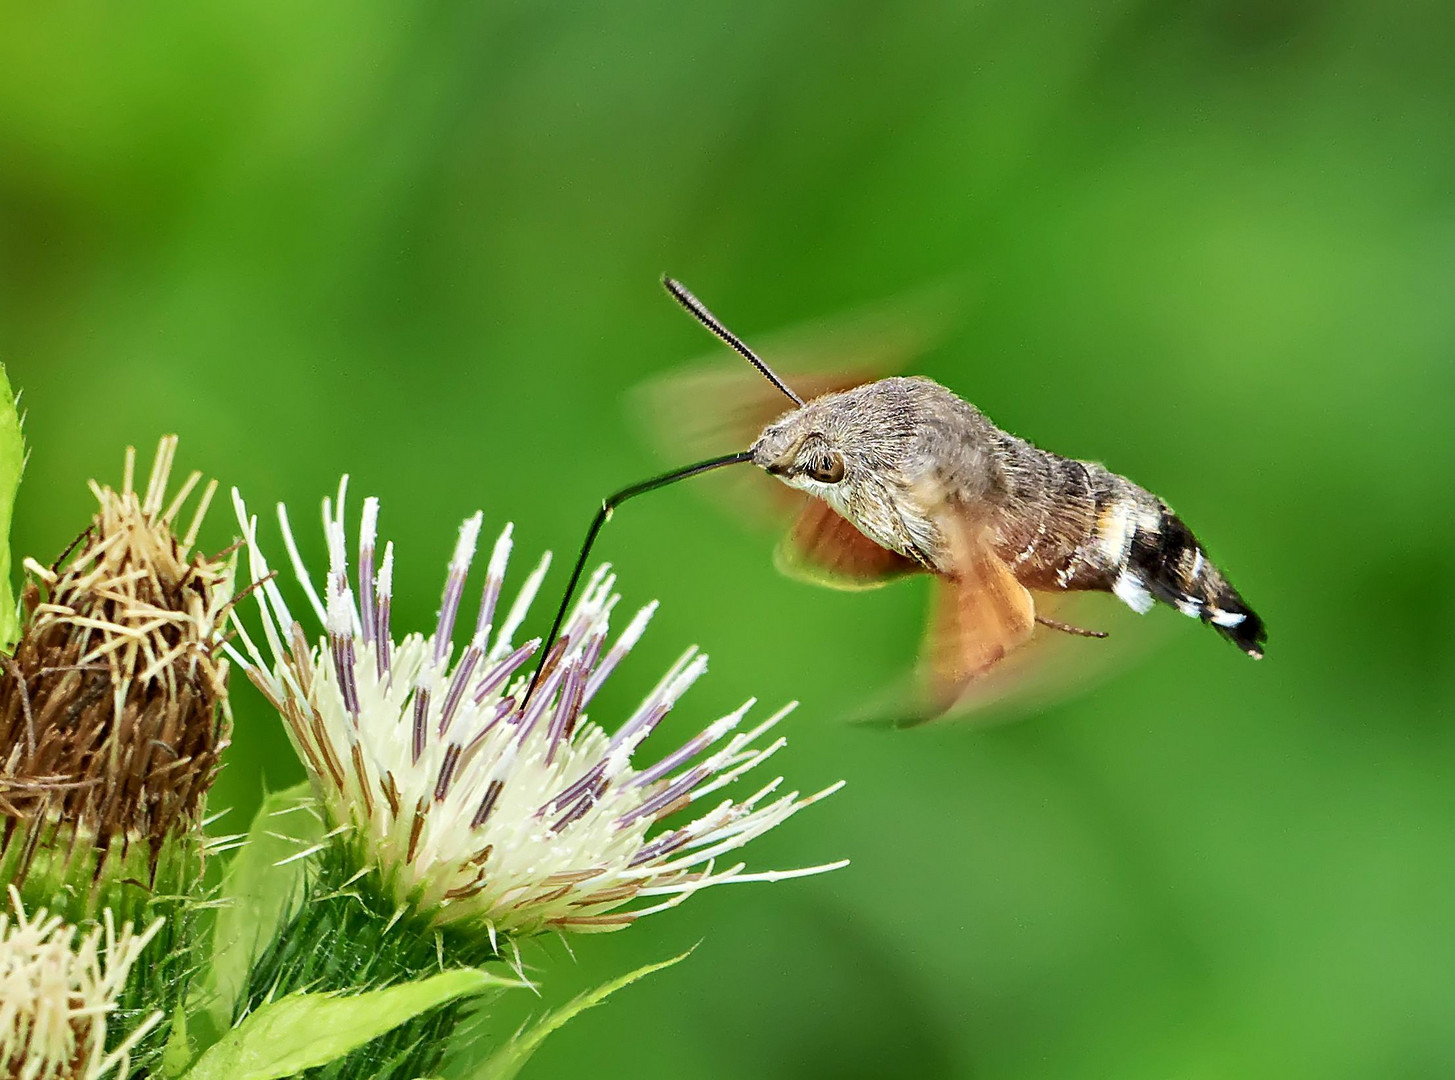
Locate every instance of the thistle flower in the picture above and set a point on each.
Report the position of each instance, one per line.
(483, 807)
(58, 987)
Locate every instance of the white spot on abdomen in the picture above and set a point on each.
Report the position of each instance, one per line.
(1130, 590)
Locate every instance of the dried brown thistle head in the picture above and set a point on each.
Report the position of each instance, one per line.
(113, 709)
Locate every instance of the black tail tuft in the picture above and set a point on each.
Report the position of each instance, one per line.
(1175, 569)
(1249, 633)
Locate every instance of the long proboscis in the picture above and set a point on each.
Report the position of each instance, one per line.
(698, 310)
(603, 515)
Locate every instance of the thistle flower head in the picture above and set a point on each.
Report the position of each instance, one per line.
(113, 708)
(57, 989)
(481, 804)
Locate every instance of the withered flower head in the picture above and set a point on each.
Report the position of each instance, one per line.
(113, 709)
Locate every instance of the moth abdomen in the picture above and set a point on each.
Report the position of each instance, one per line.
(1164, 561)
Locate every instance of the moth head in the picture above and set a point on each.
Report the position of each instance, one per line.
(860, 451)
(812, 458)
(849, 447)
(806, 449)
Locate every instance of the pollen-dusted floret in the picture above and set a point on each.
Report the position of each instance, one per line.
(481, 804)
(113, 709)
(58, 988)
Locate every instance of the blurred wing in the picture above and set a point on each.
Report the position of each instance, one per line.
(1049, 666)
(713, 408)
(981, 615)
(823, 548)
(701, 411)
(718, 403)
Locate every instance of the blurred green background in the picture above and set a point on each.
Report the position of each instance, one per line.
(1211, 244)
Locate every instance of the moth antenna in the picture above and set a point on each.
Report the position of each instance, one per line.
(695, 307)
(603, 515)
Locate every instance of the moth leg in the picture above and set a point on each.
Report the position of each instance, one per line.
(1067, 628)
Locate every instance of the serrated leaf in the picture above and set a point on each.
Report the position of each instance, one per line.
(507, 1062)
(257, 889)
(12, 461)
(303, 1031)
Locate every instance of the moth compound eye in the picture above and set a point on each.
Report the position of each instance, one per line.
(827, 469)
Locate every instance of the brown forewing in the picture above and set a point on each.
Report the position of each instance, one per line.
(825, 549)
(981, 615)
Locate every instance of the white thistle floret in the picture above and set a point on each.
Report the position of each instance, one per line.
(57, 988)
(476, 801)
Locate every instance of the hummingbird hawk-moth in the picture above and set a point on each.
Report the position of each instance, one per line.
(905, 477)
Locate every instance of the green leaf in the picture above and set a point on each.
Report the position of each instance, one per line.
(12, 461)
(507, 1062)
(259, 886)
(302, 1031)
